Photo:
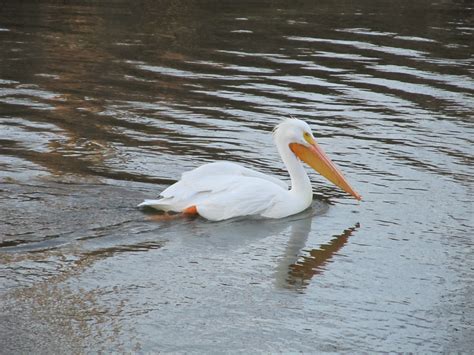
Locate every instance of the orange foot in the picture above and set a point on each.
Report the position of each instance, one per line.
(191, 210)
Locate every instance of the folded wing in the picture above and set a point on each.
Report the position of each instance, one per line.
(221, 190)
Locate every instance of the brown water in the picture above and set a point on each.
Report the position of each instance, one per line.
(105, 103)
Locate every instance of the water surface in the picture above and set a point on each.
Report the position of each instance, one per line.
(105, 104)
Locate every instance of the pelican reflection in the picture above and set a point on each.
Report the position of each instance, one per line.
(299, 266)
(295, 267)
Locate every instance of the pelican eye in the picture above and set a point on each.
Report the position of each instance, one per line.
(308, 138)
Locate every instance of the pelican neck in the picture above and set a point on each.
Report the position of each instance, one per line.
(300, 182)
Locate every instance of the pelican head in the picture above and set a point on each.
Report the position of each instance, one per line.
(297, 135)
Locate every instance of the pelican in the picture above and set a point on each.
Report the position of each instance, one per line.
(223, 190)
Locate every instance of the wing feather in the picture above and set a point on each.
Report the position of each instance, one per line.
(221, 190)
(229, 168)
(242, 197)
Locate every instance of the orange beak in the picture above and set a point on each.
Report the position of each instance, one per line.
(315, 157)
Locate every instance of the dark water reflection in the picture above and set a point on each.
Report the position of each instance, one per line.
(105, 103)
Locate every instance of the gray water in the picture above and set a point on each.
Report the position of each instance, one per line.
(103, 104)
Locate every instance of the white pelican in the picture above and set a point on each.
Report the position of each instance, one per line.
(222, 190)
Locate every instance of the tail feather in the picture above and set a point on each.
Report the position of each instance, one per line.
(157, 204)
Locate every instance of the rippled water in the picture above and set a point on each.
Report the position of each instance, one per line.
(103, 104)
